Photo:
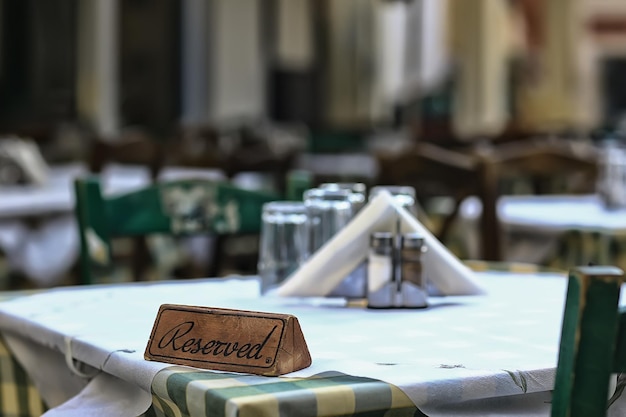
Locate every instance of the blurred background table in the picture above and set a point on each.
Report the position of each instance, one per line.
(38, 232)
(553, 230)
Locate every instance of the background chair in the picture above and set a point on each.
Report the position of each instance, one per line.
(179, 208)
(483, 170)
(261, 149)
(135, 147)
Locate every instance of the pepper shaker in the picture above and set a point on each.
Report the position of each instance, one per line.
(412, 280)
(381, 288)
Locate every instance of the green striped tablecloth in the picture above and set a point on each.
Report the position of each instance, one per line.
(555, 231)
(179, 391)
(182, 391)
(581, 247)
(18, 395)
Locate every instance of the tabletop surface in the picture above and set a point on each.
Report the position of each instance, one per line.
(57, 194)
(461, 348)
(553, 212)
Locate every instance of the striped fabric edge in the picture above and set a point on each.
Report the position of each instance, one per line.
(187, 392)
(583, 248)
(516, 267)
(575, 248)
(18, 395)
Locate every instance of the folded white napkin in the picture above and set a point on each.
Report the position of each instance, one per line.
(323, 271)
(26, 155)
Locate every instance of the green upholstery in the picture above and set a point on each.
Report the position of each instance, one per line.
(593, 338)
(298, 181)
(178, 208)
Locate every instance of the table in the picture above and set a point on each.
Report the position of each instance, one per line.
(455, 358)
(560, 231)
(38, 231)
(340, 166)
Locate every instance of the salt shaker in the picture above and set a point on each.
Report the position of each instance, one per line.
(412, 280)
(381, 286)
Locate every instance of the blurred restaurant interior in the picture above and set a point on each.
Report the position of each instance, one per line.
(470, 102)
(410, 180)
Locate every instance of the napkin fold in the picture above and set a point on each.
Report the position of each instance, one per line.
(329, 265)
(104, 396)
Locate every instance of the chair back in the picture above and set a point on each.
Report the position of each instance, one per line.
(593, 342)
(178, 208)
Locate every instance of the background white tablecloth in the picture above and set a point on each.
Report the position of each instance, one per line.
(533, 225)
(38, 230)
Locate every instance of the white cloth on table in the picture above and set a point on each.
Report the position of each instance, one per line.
(46, 251)
(533, 224)
(464, 356)
(349, 247)
(104, 396)
(46, 368)
(462, 349)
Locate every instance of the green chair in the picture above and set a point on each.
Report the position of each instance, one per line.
(298, 181)
(178, 208)
(593, 343)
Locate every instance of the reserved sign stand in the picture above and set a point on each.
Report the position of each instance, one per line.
(228, 340)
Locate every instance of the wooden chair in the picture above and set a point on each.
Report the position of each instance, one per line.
(179, 208)
(432, 171)
(480, 170)
(539, 161)
(132, 147)
(593, 342)
(200, 147)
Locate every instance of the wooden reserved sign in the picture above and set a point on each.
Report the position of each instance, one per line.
(228, 340)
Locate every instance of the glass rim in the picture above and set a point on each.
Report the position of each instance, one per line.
(327, 193)
(285, 206)
(394, 189)
(355, 187)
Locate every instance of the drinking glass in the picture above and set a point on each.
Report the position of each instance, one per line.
(284, 242)
(402, 194)
(358, 190)
(328, 210)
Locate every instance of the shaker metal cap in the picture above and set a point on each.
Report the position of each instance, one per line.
(381, 239)
(412, 240)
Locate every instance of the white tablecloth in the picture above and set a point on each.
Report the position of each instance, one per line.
(556, 213)
(532, 224)
(346, 165)
(462, 349)
(38, 231)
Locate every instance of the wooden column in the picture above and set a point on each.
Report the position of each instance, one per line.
(195, 62)
(98, 69)
(487, 183)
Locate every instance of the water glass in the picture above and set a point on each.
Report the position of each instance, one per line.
(284, 242)
(328, 211)
(402, 194)
(358, 189)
